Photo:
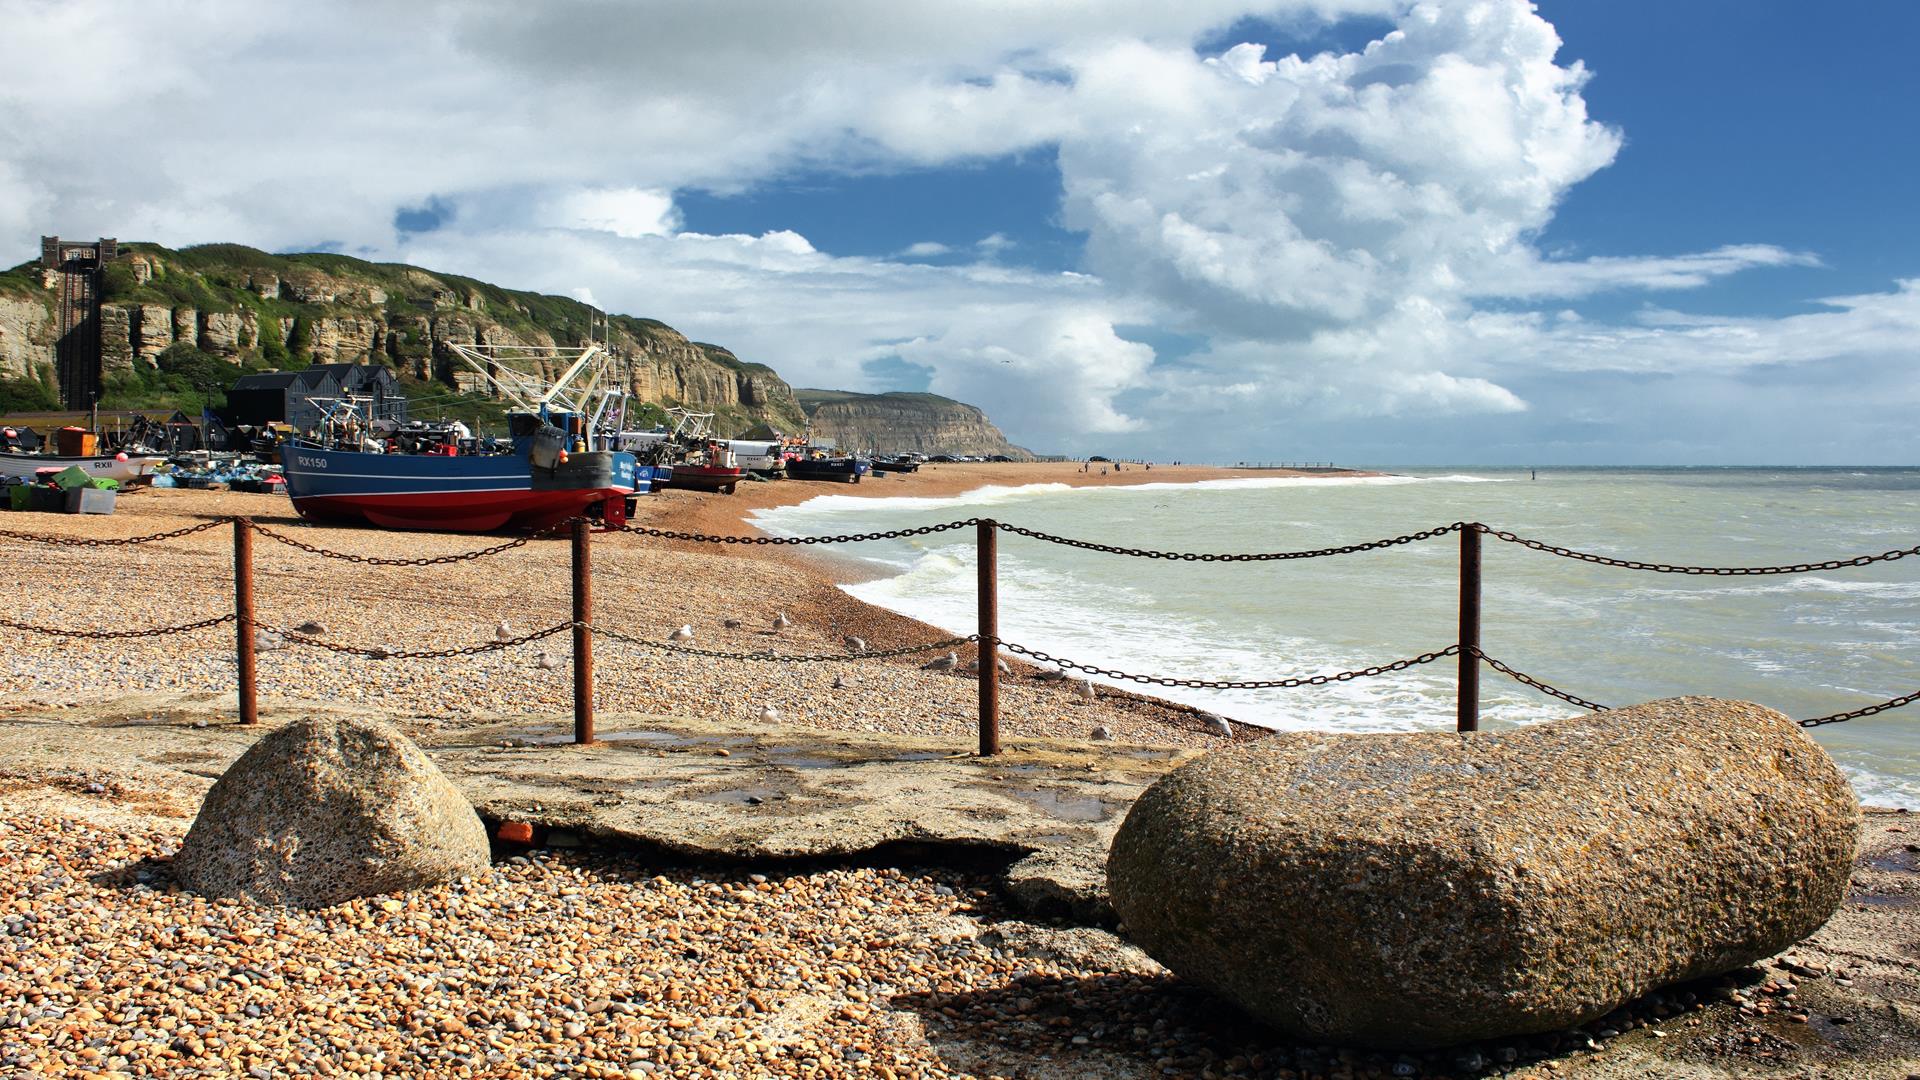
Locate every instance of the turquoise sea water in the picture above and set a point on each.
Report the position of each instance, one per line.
(1809, 645)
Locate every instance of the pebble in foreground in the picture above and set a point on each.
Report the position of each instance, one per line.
(326, 810)
(1425, 889)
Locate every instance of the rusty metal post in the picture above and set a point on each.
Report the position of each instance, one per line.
(986, 545)
(243, 628)
(1469, 719)
(582, 636)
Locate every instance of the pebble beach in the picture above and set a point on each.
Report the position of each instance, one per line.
(643, 587)
(603, 963)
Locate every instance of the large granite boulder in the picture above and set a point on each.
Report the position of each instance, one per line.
(325, 810)
(1410, 891)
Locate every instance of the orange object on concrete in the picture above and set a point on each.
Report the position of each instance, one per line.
(515, 832)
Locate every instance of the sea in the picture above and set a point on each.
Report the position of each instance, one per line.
(1809, 644)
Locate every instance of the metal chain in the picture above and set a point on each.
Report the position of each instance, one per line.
(160, 631)
(1209, 556)
(1671, 568)
(769, 655)
(377, 653)
(1523, 677)
(369, 560)
(1210, 684)
(85, 541)
(1836, 718)
(846, 538)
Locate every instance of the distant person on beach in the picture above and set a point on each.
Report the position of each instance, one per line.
(1103, 470)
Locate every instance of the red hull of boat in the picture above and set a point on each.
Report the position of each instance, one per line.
(705, 478)
(458, 511)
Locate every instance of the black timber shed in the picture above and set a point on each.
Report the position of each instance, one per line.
(294, 396)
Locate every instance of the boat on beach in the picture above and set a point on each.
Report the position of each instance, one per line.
(126, 468)
(688, 456)
(900, 464)
(551, 472)
(22, 455)
(845, 470)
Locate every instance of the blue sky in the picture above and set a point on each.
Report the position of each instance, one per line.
(1465, 232)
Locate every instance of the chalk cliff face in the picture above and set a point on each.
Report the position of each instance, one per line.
(901, 423)
(256, 308)
(26, 335)
(261, 310)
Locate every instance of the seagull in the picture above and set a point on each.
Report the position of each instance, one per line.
(840, 682)
(545, 662)
(942, 663)
(503, 632)
(1050, 675)
(311, 628)
(781, 622)
(769, 715)
(1086, 689)
(685, 633)
(855, 644)
(1103, 733)
(732, 624)
(1216, 724)
(265, 642)
(1004, 667)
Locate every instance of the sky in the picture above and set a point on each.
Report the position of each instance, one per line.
(1374, 232)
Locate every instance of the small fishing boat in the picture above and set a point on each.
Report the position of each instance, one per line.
(688, 456)
(844, 470)
(698, 477)
(127, 468)
(901, 464)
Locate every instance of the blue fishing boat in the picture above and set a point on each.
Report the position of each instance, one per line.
(551, 472)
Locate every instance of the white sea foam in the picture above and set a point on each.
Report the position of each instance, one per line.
(1809, 645)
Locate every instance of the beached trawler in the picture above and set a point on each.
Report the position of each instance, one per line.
(19, 459)
(688, 456)
(903, 463)
(817, 463)
(551, 470)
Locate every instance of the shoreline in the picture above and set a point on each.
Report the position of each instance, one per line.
(613, 962)
(643, 587)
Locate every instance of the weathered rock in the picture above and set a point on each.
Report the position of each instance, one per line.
(152, 331)
(325, 810)
(116, 338)
(903, 422)
(186, 324)
(220, 332)
(1423, 889)
(27, 330)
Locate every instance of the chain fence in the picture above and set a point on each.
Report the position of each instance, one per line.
(1674, 568)
(370, 560)
(1039, 657)
(1035, 655)
(124, 541)
(844, 538)
(105, 635)
(770, 656)
(376, 652)
(1215, 556)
